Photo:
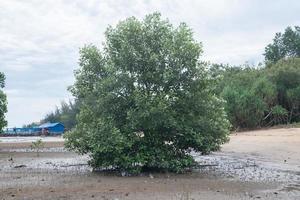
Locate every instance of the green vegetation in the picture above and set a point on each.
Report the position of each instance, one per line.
(65, 114)
(263, 96)
(37, 146)
(285, 45)
(3, 103)
(258, 97)
(146, 100)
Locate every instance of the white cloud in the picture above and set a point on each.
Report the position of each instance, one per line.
(39, 40)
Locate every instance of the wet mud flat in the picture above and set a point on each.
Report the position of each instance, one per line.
(233, 173)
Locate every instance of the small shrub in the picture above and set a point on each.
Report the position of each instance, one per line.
(37, 146)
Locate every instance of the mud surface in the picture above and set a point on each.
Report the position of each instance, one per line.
(26, 139)
(254, 165)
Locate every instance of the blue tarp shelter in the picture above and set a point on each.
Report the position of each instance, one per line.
(53, 128)
(46, 128)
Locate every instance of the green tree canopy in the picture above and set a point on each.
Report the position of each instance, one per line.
(257, 97)
(284, 45)
(286, 76)
(249, 95)
(146, 99)
(3, 103)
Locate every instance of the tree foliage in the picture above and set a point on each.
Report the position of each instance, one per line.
(146, 100)
(248, 95)
(257, 97)
(285, 45)
(65, 114)
(285, 74)
(263, 96)
(3, 102)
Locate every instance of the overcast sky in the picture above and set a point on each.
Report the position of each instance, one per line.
(39, 40)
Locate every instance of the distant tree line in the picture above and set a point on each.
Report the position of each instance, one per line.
(284, 45)
(269, 95)
(264, 95)
(260, 97)
(65, 114)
